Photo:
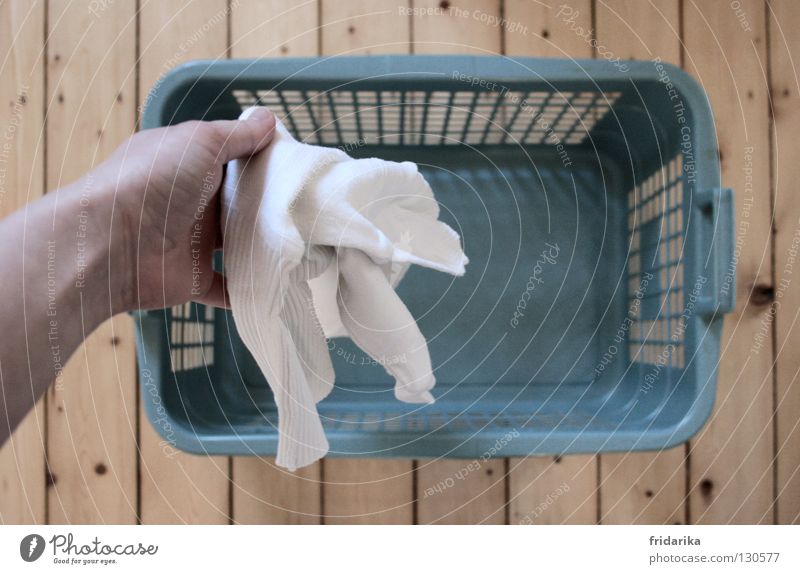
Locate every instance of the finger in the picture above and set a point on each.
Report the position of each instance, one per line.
(217, 295)
(245, 136)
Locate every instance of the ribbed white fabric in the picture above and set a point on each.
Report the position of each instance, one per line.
(310, 232)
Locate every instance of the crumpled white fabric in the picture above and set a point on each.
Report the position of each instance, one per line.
(314, 244)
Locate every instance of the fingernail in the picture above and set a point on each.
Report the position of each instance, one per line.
(258, 114)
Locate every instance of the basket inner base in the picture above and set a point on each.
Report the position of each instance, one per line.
(522, 332)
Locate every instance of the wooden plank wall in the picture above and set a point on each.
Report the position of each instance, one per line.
(481, 496)
(22, 149)
(727, 482)
(366, 491)
(91, 418)
(783, 19)
(71, 103)
(263, 492)
(561, 489)
(642, 31)
(175, 487)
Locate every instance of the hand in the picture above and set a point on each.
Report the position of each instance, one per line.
(137, 232)
(164, 186)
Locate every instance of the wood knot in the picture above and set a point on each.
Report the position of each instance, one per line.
(706, 487)
(100, 468)
(444, 5)
(762, 295)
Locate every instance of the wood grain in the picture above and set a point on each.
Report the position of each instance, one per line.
(22, 470)
(480, 496)
(470, 491)
(555, 29)
(553, 490)
(646, 488)
(640, 30)
(730, 480)
(92, 415)
(364, 27)
(368, 491)
(363, 491)
(550, 28)
(456, 27)
(784, 47)
(176, 487)
(264, 493)
(92, 420)
(274, 28)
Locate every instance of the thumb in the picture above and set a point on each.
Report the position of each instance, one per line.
(246, 136)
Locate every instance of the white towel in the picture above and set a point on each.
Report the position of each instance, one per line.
(310, 232)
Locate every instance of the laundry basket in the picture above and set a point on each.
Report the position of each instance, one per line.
(588, 200)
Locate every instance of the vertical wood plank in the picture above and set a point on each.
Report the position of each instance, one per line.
(784, 46)
(461, 491)
(640, 30)
(262, 492)
(92, 414)
(480, 496)
(364, 491)
(553, 29)
(731, 479)
(553, 490)
(92, 445)
(176, 487)
(641, 488)
(22, 470)
(456, 27)
(548, 490)
(368, 491)
(272, 28)
(266, 494)
(364, 27)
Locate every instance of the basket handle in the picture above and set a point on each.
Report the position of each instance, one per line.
(716, 211)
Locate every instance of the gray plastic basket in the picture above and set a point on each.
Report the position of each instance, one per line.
(588, 198)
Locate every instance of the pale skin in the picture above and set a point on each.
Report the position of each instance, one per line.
(137, 232)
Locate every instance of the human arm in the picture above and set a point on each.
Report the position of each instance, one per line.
(136, 232)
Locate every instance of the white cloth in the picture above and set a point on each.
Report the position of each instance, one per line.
(310, 232)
